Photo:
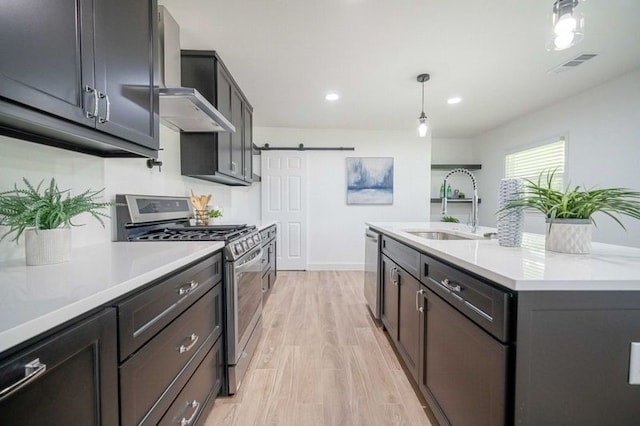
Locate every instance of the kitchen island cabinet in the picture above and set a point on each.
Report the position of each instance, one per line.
(80, 75)
(503, 343)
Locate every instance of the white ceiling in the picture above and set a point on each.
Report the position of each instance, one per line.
(287, 54)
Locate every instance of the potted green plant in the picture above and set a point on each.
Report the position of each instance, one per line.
(215, 214)
(45, 218)
(569, 213)
(449, 219)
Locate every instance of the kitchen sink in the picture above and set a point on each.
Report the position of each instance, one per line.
(444, 235)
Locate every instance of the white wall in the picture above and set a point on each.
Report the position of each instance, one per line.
(452, 151)
(79, 171)
(335, 229)
(602, 126)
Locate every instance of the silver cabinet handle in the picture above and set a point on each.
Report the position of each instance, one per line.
(32, 371)
(418, 307)
(189, 288)
(234, 167)
(446, 284)
(93, 114)
(196, 406)
(193, 339)
(108, 114)
(392, 275)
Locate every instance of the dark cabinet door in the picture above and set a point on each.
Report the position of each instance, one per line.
(74, 378)
(225, 143)
(464, 369)
(46, 63)
(125, 40)
(389, 314)
(409, 320)
(247, 143)
(236, 137)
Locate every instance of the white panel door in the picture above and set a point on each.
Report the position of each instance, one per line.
(284, 200)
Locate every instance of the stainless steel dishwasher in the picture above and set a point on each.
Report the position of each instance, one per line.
(371, 268)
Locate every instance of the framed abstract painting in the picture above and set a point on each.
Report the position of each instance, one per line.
(369, 180)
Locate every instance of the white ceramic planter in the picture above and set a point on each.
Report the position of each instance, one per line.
(47, 246)
(569, 236)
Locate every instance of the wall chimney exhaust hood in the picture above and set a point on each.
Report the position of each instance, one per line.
(182, 108)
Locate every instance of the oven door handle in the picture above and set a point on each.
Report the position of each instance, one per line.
(247, 265)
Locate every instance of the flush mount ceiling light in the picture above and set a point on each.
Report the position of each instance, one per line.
(567, 25)
(422, 120)
(332, 96)
(454, 100)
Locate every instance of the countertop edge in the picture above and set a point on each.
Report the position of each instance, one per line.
(42, 324)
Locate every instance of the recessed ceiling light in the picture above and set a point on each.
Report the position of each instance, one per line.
(332, 97)
(454, 100)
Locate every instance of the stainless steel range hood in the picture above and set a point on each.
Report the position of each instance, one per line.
(182, 108)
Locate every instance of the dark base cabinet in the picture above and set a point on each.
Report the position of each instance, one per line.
(492, 356)
(78, 383)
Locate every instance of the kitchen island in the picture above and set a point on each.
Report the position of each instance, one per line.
(499, 335)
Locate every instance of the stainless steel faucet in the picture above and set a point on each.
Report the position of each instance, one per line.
(474, 200)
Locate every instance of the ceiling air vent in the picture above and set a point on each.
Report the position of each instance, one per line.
(572, 63)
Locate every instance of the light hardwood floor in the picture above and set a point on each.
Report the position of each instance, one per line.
(321, 361)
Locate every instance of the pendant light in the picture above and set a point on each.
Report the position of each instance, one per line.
(567, 25)
(423, 125)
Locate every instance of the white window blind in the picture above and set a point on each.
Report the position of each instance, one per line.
(529, 163)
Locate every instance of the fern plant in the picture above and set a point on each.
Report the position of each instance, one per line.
(22, 208)
(576, 203)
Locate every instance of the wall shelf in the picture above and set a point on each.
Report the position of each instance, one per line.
(456, 166)
(455, 200)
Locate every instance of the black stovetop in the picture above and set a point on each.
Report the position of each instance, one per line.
(195, 233)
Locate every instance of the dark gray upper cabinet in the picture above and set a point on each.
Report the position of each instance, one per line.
(79, 74)
(247, 134)
(217, 156)
(124, 70)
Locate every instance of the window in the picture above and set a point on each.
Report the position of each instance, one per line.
(529, 163)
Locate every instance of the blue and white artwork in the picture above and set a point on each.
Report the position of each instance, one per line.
(369, 180)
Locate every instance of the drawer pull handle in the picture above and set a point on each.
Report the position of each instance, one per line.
(32, 371)
(184, 290)
(193, 340)
(446, 284)
(196, 407)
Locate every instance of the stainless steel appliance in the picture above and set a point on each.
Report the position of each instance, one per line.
(371, 268)
(156, 218)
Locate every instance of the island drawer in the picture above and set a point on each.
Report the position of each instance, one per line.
(146, 376)
(142, 316)
(483, 303)
(404, 256)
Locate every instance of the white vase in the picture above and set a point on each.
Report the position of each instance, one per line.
(47, 246)
(568, 236)
(510, 222)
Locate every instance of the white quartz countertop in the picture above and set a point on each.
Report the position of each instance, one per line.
(530, 267)
(34, 299)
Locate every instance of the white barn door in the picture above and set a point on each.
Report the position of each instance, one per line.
(284, 200)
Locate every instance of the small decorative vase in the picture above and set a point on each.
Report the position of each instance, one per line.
(568, 236)
(47, 246)
(510, 222)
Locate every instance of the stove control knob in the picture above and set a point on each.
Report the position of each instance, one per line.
(237, 248)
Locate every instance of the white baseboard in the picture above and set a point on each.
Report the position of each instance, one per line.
(335, 267)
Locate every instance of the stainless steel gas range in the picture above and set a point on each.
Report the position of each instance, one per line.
(159, 218)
